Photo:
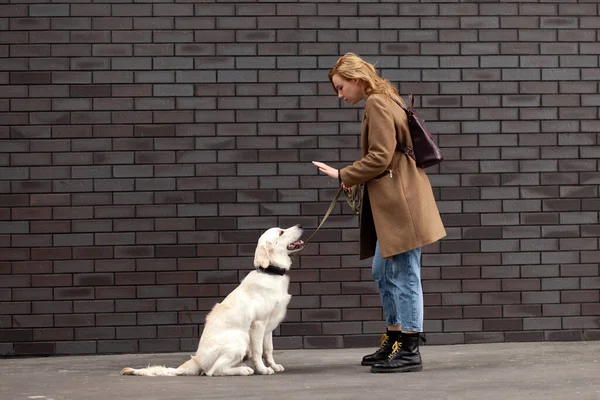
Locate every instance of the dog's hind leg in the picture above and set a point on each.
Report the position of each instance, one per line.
(190, 367)
(227, 364)
(257, 333)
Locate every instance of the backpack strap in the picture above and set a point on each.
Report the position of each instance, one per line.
(411, 100)
(401, 147)
(406, 150)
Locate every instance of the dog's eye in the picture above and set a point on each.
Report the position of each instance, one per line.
(280, 233)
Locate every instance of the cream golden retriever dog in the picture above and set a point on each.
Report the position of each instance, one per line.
(242, 325)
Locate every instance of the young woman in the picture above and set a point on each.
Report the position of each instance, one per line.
(398, 213)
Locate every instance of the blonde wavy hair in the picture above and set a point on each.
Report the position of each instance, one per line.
(350, 66)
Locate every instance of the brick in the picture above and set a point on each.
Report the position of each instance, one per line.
(178, 332)
(446, 338)
(35, 321)
(117, 346)
(115, 319)
(157, 318)
(94, 333)
(589, 309)
(113, 265)
(74, 320)
(125, 292)
(34, 349)
(50, 334)
(588, 322)
(17, 334)
(566, 335)
(484, 337)
(460, 299)
(462, 325)
(483, 311)
(73, 293)
(590, 283)
(135, 305)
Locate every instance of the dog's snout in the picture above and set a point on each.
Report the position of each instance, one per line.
(299, 226)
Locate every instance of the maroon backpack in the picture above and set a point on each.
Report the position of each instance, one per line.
(425, 152)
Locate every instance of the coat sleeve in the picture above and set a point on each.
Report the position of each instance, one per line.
(381, 142)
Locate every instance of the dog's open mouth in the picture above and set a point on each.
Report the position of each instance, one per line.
(295, 246)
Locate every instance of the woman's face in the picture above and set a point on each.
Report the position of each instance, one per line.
(351, 91)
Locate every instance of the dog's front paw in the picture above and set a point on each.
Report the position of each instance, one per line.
(277, 367)
(266, 371)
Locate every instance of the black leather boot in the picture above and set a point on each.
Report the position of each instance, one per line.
(384, 350)
(405, 356)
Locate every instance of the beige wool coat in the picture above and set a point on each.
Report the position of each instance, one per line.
(398, 208)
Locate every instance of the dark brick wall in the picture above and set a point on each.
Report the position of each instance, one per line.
(145, 146)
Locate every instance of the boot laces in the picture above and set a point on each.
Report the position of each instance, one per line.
(384, 339)
(395, 349)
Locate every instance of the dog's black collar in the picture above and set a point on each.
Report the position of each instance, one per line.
(272, 270)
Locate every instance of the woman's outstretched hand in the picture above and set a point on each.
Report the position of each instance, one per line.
(326, 169)
(330, 172)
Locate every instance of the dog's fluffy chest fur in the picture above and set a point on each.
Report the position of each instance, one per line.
(267, 292)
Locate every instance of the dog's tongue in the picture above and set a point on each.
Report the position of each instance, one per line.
(295, 245)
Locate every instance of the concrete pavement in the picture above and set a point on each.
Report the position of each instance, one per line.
(548, 370)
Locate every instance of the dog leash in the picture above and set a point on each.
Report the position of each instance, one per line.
(354, 200)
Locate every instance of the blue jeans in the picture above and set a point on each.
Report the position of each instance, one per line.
(399, 283)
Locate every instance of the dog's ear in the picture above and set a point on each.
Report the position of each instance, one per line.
(262, 255)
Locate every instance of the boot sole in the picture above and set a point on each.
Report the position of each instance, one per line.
(412, 368)
(363, 362)
(371, 362)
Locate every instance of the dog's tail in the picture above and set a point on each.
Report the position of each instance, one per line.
(190, 367)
